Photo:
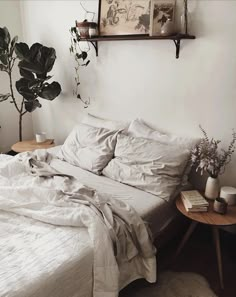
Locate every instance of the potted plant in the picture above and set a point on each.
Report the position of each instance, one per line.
(80, 31)
(87, 29)
(34, 64)
(81, 59)
(207, 157)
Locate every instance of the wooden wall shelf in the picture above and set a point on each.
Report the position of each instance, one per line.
(176, 38)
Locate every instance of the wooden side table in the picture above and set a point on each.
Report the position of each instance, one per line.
(31, 145)
(213, 219)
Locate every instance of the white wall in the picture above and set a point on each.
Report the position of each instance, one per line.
(10, 17)
(142, 78)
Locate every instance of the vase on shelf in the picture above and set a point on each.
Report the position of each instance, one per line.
(212, 188)
(185, 18)
(168, 28)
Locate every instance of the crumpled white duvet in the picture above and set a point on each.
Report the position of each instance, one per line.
(28, 205)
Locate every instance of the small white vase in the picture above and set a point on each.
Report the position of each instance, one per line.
(212, 188)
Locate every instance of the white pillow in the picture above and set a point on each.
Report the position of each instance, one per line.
(148, 165)
(89, 147)
(138, 128)
(103, 123)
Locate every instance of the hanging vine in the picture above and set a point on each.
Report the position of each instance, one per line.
(80, 56)
(81, 59)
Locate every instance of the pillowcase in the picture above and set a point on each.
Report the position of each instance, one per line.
(89, 147)
(103, 123)
(138, 128)
(148, 165)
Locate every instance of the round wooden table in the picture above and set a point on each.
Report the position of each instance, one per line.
(31, 145)
(212, 219)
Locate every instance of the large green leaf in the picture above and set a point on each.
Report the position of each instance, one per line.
(26, 74)
(22, 50)
(30, 106)
(35, 83)
(31, 67)
(4, 97)
(2, 33)
(3, 68)
(3, 59)
(13, 44)
(23, 89)
(48, 58)
(3, 44)
(36, 62)
(7, 37)
(34, 53)
(43, 56)
(51, 91)
(39, 59)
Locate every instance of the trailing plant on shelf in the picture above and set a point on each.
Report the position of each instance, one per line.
(80, 55)
(81, 59)
(207, 157)
(34, 64)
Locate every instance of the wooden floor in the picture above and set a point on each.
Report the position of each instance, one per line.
(198, 256)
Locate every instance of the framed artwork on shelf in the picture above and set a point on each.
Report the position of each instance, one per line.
(162, 17)
(124, 17)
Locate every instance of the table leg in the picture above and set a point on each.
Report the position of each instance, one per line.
(186, 237)
(216, 237)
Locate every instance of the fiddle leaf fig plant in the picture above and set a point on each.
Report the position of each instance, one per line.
(34, 65)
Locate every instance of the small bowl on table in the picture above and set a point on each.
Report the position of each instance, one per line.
(220, 205)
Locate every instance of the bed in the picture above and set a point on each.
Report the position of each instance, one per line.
(155, 211)
(42, 259)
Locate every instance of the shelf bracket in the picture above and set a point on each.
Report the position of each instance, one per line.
(95, 45)
(177, 45)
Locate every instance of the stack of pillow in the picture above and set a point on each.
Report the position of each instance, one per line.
(133, 154)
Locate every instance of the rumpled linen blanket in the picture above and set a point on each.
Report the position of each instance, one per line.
(30, 187)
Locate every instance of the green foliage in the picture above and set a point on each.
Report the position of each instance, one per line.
(34, 65)
(4, 97)
(207, 157)
(81, 59)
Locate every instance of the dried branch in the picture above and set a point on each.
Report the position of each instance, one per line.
(207, 157)
(87, 12)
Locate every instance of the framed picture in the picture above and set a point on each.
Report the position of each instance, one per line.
(162, 17)
(124, 17)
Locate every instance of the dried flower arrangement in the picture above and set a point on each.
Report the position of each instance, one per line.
(207, 157)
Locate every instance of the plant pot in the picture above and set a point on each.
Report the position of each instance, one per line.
(168, 28)
(212, 188)
(220, 205)
(87, 29)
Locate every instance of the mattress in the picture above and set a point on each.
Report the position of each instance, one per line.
(155, 211)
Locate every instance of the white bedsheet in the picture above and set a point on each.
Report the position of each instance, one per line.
(47, 260)
(44, 260)
(156, 211)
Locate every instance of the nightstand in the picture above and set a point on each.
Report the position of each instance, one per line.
(214, 220)
(31, 145)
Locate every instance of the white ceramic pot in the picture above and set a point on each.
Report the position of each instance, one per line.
(229, 194)
(40, 137)
(212, 188)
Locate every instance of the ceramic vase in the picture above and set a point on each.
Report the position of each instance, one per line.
(168, 28)
(185, 19)
(212, 188)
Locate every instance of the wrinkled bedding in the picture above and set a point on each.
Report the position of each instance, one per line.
(53, 243)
